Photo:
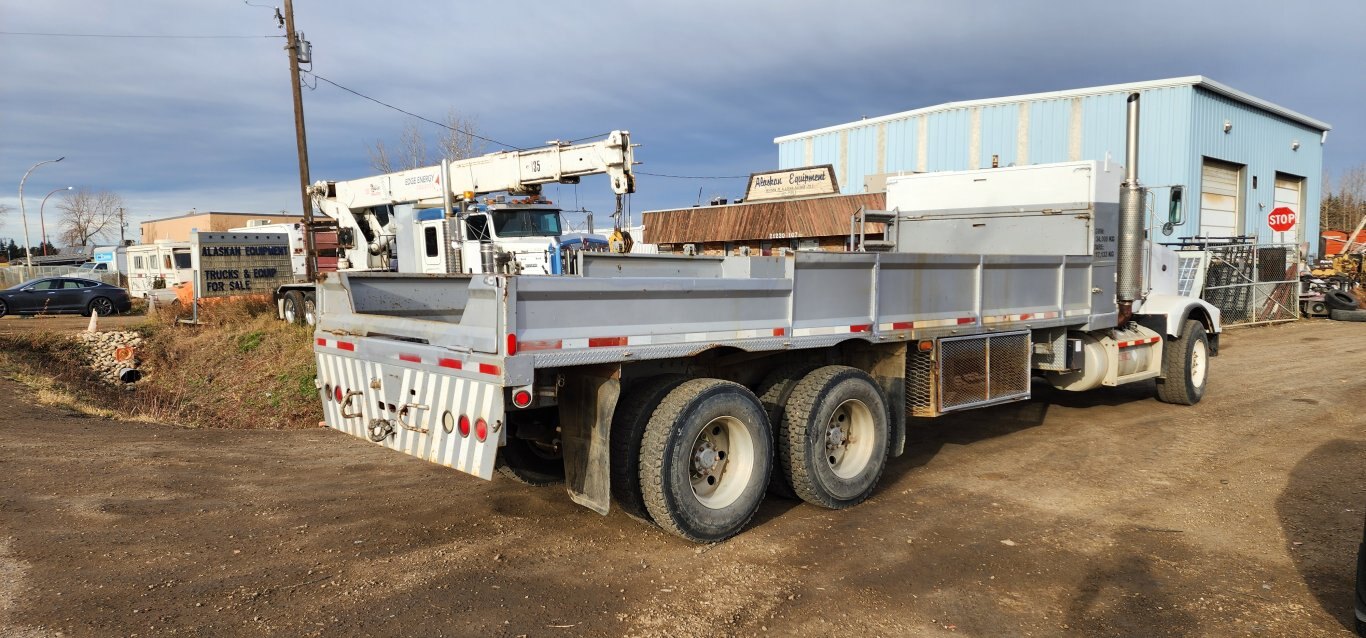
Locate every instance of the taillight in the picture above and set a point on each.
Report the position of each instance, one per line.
(481, 430)
(521, 398)
(464, 425)
(337, 394)
(512, 344)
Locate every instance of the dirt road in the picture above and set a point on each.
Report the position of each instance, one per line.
(1098, 514)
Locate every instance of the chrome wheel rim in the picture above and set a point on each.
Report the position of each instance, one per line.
(1199, 363)
(290, 313)
(848, 439)
(721, 462)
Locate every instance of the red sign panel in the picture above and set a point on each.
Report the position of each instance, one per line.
(1281, 219)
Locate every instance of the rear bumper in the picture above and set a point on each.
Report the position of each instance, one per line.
(409, 403)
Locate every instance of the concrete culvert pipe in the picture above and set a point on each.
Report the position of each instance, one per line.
(129, 375)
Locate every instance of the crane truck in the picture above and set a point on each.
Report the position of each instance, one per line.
(682, 389)
(436, 219)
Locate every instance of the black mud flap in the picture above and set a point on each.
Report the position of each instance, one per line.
(587, 401)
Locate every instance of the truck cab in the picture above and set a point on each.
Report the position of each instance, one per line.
(517, 234)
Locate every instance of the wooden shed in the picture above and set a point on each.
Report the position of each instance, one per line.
(809, 223)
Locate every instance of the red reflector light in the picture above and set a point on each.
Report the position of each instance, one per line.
(606, 342)
(544, 344)
(512, 344)
(464, 425)
(449, 363)
(481, 430)
(860, 328)
(410, 358)
(778, 332)
(337, 394)
(488, 368)
(521, 398)
(342, 345)
(322, 342)
(964, 320)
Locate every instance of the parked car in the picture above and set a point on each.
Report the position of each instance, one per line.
(63, 295)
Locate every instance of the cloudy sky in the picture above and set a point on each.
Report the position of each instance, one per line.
(703, 85)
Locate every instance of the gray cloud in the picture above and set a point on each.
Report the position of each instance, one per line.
(703, 85)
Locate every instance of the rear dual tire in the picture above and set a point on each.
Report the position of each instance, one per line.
(833, 439)
(705, 460)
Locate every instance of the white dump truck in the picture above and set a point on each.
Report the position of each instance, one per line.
(684, 388)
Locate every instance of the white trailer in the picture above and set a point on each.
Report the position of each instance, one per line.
(683, 388)
(158, 266)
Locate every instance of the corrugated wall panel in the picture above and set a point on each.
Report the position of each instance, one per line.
(901, 145)
(999, 134)
(791, 154)
(862, 158)
(1262, 143)
(1048, 125)
(825, 150)
(948, 140)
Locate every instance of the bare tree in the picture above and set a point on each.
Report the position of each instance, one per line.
(88, 215)
(460, 142)
(413, 150)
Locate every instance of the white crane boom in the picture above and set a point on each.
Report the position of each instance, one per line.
(516, 172)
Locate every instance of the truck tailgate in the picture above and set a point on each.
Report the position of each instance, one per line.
(414, 399)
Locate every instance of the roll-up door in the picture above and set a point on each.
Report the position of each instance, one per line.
(1221, 196)
(1289, 194)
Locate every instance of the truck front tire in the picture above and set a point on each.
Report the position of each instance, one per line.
(834, 437)
(1185, 366)
(705, 460)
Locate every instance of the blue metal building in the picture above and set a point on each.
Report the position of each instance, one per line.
(1237, 156)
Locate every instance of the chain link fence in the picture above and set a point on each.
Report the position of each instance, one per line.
(11, 276)
(1253, 283)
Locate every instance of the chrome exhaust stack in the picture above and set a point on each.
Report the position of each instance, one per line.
(1130, 250)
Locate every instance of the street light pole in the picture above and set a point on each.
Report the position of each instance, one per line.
(28, 251)
(41, 224)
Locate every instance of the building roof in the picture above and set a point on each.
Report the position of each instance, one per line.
(216, 212)
(826, 216)
(1192, 80)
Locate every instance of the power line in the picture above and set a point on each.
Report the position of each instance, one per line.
(410, 113)
(693, 176)
(139, 36)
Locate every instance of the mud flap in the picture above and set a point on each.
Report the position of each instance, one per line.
(886, 363)
(587, 401)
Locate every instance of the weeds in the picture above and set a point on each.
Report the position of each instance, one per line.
(238, 368)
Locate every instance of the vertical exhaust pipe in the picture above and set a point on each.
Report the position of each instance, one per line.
(1130, 249)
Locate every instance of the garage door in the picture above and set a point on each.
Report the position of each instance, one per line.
(1220, 199)
(1289, 194)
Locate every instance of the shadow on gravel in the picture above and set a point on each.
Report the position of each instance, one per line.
(1313, 509)
(1125, 596)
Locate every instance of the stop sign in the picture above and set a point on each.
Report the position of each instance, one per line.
(1281, 219)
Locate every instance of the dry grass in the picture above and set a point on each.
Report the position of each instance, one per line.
(239, 368)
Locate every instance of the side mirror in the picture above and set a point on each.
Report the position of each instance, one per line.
(1175, 214)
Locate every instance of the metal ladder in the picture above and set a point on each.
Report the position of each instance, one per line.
(858, 230)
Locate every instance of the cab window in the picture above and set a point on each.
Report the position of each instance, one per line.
(477, 228)
(429, 237)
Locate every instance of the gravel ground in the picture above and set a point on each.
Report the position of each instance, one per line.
(1104, 513)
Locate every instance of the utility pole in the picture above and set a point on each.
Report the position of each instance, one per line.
(292, 47)
(122, 226)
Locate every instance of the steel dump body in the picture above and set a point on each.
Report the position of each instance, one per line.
(678, 306)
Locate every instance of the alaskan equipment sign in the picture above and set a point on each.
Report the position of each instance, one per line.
(240, 263)
(795, 182)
